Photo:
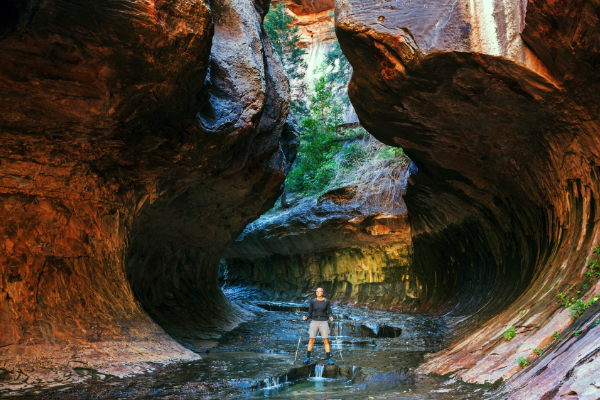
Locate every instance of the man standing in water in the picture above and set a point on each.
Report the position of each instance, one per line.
(319, 310)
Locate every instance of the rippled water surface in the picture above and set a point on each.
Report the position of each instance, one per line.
(375, 354)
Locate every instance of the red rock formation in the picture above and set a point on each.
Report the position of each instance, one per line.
(498, 110)
(125, 171)
(306, 7)
(360, 255)
(315, 24)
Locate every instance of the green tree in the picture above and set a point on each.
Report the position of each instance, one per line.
(337, 72)
(336, 69)
(284, 36)
(316, 162)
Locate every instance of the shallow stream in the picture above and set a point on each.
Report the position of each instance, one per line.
(375, 354)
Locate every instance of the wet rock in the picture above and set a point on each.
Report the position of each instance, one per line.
(386, 381)
(239, 371)
(273, 306)
(496, 103)
(341, 372)
(360, 254)
(137, 140)
(356, 329)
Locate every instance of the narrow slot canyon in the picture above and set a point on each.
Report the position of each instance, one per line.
(178, 178)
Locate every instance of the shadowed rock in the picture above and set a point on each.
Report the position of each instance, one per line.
(496, 103)
(359, 253)
(135, 146)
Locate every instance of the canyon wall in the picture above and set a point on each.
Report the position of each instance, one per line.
(137, 141)
(497, 105)
(360, 255)
(315, 22)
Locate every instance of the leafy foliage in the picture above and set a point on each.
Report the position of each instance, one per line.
(338, 72)
(329, 157)
(523, 362)
(352, 154)
(579, 307)
(315, 164)
(284, 36)
(510, 333)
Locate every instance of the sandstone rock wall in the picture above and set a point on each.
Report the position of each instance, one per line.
(358, 253)
(137, 140)
(315, 23)
(496, 103)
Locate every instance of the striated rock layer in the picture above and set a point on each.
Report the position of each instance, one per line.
(137, 141)
(497, 104)
(359, 255)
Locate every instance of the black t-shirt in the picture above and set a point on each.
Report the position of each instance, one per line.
(319, 310)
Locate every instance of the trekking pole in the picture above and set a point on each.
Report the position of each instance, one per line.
(340, 344)
(300, 338)
(338, 341)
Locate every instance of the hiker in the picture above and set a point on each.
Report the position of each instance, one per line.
(319, 310)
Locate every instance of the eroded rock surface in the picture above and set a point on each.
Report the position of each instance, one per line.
(137, 140)
(306, 7)
(357, 253)
(496, 103)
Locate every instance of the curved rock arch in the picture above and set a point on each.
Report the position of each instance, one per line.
(498, 110)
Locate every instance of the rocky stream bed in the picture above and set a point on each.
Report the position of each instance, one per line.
(375, 354)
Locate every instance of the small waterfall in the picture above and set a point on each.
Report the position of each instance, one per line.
(272, 382)
(319, 370)
(338, 327)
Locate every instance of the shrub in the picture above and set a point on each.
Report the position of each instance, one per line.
(352, 155)
(324, 162)
(510, 333)
(579, 307)
(538, 351)
(315, 165)
(523, 362)
(285, 38)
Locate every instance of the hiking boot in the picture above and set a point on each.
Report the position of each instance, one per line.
(306, 360)
(330, 361)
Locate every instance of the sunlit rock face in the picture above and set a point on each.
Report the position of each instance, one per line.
(360, 255)
(314, 21)
(137, 141)
(496, 103)
(305, 7)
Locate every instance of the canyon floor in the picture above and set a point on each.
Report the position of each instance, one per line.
(375, 354)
